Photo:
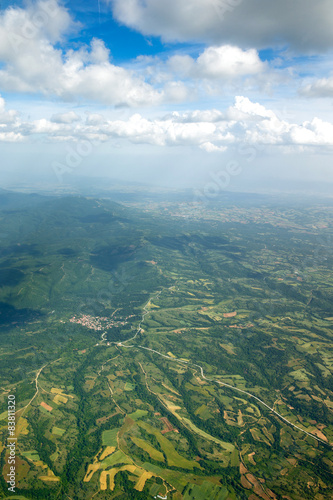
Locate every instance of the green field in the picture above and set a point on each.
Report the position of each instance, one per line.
(138, 414)
(173, 458)
(57, 431)
(205, 491)
(77, 276)
(152, 452)
(109, 438)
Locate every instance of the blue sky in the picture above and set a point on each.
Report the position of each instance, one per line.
(129, 87)
(124, 43)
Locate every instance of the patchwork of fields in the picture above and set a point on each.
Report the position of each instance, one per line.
(115, 403)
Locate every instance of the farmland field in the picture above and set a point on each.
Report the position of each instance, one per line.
(160, 354)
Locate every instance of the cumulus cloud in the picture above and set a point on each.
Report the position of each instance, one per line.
(212, 130)
(10, 137)
(303, 24)
(316, 132)
(32, 63)
(226, 60)
(163, 132)
(268, 128)
(220, 62)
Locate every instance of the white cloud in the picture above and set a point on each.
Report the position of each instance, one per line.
(209, 115)
(68, 117)
(33, 64)
(161, 132)
(211, 148)
(225, 61)
(268, 128)
(9, 123)
(212, 130)
(321, 88)
(303, 24)
(44, 126)
(222, 62)
(6, 117)
(10, 137)
(248, 107)
(316, 132)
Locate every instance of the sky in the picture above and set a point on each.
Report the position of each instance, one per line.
(211, 94)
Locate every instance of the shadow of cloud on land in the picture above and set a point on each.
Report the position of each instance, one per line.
(11, 317)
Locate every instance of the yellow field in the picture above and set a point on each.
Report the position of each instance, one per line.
(22, 427)
(108, 451)
(251, 459)
(227, 446)
(39, 463)
(142, 480)
(55, 390)
(60, 399)
(152, 306)
(50, 477)
(240, 418)
(171, 406)
(103, 480)
(92, 468)
(112, 473)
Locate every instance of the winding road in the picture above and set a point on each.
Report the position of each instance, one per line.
(235, 389)
(37, 388)
(189, 363)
